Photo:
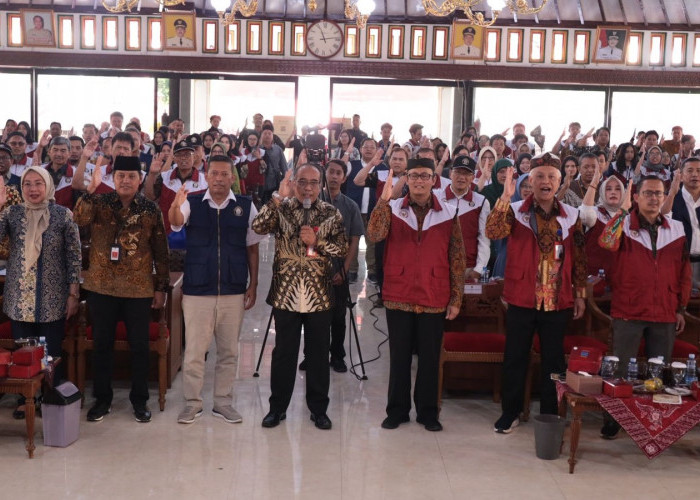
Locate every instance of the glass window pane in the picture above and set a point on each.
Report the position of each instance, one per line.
(434, 106)
(499, 108)
(18, 107)
(63, 97)
(656, 55)
(628, 115)
(634, 49)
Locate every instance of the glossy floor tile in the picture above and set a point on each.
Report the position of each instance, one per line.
(119, 458)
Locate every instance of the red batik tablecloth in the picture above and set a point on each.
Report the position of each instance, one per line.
(653, 426)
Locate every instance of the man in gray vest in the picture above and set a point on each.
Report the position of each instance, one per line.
(222, 251)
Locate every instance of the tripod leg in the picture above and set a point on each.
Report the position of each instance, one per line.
(262, 349)
(357, 340)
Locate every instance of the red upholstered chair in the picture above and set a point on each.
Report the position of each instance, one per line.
(158, 340)
(69, 342)
(483, 346)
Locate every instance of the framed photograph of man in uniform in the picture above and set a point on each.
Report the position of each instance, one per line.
(610, 45)
(38, 28)
(467, 41)
(179, 30)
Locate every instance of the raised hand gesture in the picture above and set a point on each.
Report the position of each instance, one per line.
(388, 186)
(96, 177)
(90, 148)
(45, 139)
(351, 146)
(157, 164)
(508, 185)
(377, 158)
(286, 190)
(676, 184)
(180, 196)
(596, 176)
(627, 198)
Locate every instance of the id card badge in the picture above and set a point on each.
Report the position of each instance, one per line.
(558, 251)
(114, 253)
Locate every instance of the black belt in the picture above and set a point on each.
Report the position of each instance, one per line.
(695, 258)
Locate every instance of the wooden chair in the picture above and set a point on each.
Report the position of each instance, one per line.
(69, 342)
(486, 345)
(158, 340)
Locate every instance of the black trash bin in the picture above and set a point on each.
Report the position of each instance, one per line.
(549, 432)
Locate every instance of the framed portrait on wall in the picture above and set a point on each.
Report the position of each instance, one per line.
(38, 28)
(179, 30)
(610, 45)
(467, 41)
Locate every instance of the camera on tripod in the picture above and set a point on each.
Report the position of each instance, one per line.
(316, 148)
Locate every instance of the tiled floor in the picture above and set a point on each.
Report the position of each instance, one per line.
(120, 458)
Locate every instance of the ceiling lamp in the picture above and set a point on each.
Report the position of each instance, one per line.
(520, 7)
(120, 5)
(246, 9)
(359, 11)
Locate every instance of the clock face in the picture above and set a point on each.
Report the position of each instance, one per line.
(324, 39)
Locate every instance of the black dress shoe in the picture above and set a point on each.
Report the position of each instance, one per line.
(19, 414)
(98, 411)
(338, 365)
(394, 422)
(321, 421)
(142, 413)
(273, 419)
(430, 424)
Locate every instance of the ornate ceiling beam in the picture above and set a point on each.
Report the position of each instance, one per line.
(663, 9)
(622, 8)
(602, 11)
(685, 12)
(641, 8)
(556, 10)
(580, 12)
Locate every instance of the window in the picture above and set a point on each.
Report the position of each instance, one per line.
(298, 39)
(560, 40)
(396, 42)
(678, 49)
(373, 45)
(656, 54)
(696, 50)
(88, 27)
(254, 37)
(110, 35)
(537, 41)
(133, 33)
(275, 43)
(352, 41)
(14, 32)
(581, 47)
(233, 38)
(18, 107)
(515, 45)
(493, 45)
(440, 37)
(65, 32)
(210, 36)
(634, 50)
(155, 41)
(418, 35)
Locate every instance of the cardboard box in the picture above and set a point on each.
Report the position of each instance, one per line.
(28, 355)
(585, 359)
(24, 371)
(617, 388)
(582, 384)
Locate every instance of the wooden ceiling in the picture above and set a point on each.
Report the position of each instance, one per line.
(639, 14)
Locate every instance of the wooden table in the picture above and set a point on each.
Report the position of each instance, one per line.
(27, 387)
(579, 404)
(175, 325)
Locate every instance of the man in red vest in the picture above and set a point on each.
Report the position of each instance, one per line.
(651, 284)
(424, 267)
(545, 280)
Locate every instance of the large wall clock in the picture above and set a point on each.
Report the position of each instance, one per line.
(324, 38)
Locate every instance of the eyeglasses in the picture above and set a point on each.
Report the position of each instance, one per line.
(303, 183)
(653, 194)
(424, 177)
(29, 185)
(5, 158)
(15, 143)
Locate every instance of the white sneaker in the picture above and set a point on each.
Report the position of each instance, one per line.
(188, 415)
(228, 413)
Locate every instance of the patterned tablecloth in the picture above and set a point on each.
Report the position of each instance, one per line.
(653, 426)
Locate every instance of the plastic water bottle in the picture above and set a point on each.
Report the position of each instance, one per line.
(632, 370)
(45, 359)
(691, 375)
(485, 275)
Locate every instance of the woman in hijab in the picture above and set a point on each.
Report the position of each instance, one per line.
(492, 192)
(43, 270)
(487, 158)
(594, 218)
(522, 164)
(219, 149)
(523, 189)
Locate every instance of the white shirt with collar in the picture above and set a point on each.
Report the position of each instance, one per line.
(691, 205)
(251, 237)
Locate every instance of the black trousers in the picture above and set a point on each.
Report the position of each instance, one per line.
(521, 324)
(105, 312)
(54, 331)
(338, 324)
(288, 326)
(379, 264)
(424, 331)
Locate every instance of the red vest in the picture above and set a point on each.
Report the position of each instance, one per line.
(64, 189)
(645, 287)
(468, 210)
(416, 265)
(524, 257)
(599, 257)
(171, 184)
